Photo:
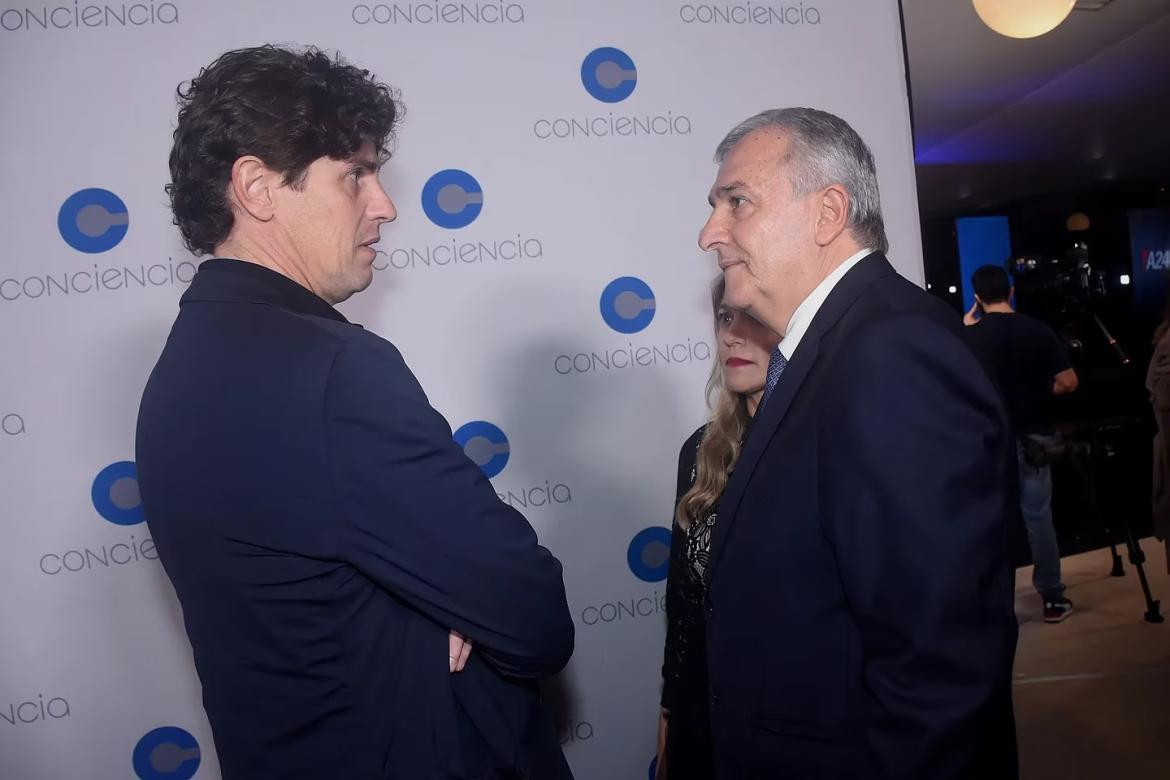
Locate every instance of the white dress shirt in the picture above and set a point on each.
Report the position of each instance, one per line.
(808, 308)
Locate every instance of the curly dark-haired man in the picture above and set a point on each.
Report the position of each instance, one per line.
(328, 541)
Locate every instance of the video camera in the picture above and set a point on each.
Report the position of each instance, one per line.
(1060, 290)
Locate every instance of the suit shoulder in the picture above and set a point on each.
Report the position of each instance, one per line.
(362, 352)
(893, 303)
(341, 347)
(904, 295)
(896, 314)
(342, 333)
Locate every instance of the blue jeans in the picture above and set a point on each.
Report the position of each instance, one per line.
(1036, 507)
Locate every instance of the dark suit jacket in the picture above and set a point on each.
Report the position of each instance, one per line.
(859, 617)
(323, 533)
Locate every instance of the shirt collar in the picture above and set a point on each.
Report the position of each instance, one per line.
(227, 279)
(800, 320)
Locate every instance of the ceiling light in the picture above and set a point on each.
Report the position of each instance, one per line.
(1023, 18)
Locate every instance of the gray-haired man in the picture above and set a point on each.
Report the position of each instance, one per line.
(859, 612)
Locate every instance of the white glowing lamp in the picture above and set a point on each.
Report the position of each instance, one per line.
(1023, 18)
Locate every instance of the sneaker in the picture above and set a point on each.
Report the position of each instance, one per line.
(1057, 610)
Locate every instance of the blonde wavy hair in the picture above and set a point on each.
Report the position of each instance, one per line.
(719, 450)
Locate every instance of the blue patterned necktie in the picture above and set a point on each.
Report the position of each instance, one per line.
(776, 365)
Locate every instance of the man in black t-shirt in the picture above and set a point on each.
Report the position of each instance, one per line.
(1030, 366)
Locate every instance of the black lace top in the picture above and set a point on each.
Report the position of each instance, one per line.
(684, 668)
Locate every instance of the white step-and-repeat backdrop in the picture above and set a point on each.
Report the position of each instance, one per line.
(580, 131)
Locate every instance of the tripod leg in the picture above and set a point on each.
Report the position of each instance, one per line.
(1137, 558)
(1118, 569)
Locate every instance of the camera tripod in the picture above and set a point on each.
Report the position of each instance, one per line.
(1093, 449)
(1089, 447)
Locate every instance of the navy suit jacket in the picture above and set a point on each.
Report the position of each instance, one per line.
(860, 612)
(323, 533)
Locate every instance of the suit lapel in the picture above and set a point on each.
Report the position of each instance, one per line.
(769, 419)
(763, 429)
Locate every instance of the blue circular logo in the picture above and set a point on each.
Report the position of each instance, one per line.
(452, 198)
(609, 74)
(627, 304)
(649, 554)
(115, 494)
(93, 220)
(485, 444)
(166, 753)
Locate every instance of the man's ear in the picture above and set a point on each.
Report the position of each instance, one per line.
(832, 214)
(251, 187)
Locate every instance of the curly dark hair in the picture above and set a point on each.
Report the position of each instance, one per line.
(286, 107)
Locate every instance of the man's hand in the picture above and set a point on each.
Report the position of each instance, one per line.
(459, 649)
(972, 315)
(1065, 382)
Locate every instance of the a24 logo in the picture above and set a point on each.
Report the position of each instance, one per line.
(1156, 259)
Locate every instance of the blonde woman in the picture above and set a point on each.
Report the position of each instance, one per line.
(707, 458)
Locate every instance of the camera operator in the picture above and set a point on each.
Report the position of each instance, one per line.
(1030, 366)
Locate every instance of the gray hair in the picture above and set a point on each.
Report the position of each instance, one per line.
(822, 150)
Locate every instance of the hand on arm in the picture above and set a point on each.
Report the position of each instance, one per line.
(423, 522)
(458, 652)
